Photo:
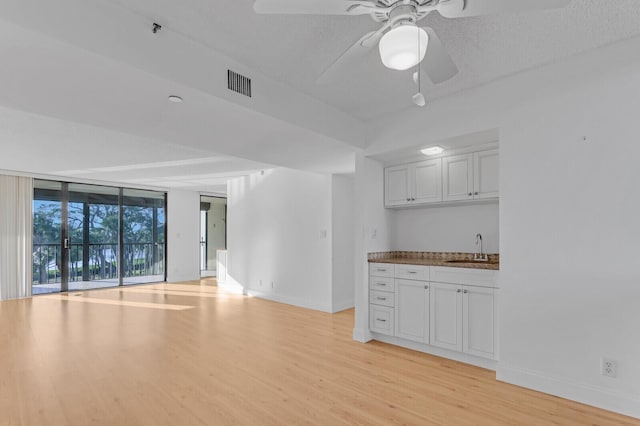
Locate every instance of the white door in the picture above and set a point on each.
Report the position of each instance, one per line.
(457, 177)
(412, 310)
(486, 177)
(396, 186)
(427, 181)
(446, 316)
(478, 321)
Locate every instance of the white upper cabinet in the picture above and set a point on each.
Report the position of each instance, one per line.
(415, 183)
(485, 172)
(396, 191)
(470, 176)
(427, 181)
(457, 179)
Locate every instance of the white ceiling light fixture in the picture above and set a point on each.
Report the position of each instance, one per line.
(399, 47)
(398, 19)
(176, 99)
(433, 150)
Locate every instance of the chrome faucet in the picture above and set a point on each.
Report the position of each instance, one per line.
(480, 255)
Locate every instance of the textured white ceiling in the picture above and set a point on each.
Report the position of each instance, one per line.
(296, 49)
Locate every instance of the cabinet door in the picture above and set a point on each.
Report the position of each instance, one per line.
(412, 310)
(457, 177)
(485, 170)
(396, 186)
(446, 316)
(478, 321)
(426, 181)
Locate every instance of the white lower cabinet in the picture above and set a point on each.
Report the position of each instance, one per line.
(381, 319)
(382, 298)
(453, 316)
(462, 318)
(412, 310)
(478, 321)
(446, 316)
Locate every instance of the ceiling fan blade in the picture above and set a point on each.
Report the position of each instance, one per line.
(354, 53)
(313, 7)
(437, 63)
(464, 8)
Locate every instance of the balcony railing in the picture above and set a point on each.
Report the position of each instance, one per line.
(140, 259)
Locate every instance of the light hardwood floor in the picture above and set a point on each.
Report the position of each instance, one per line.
(188, 354)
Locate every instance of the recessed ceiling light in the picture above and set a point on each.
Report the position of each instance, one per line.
(174, 98)
(434, 150)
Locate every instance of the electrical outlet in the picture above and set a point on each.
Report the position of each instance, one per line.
(609, 367)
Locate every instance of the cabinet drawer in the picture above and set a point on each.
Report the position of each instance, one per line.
(381, 319)
(381, 269)
(382, 284)
(381, 298)
(465, 276)
(412, 272)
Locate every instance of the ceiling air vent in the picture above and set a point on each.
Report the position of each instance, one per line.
(238, 83)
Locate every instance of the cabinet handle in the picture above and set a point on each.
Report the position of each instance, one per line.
(475, 193)
(381, 298)
(413, 199)
(466, 291)
(413, 272)
(458, 291)
(470, 194)
(408, 199)
(381, 270)
(381, 320)
(382, 284)
(426, 287)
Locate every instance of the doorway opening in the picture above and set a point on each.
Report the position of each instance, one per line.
(213, 233)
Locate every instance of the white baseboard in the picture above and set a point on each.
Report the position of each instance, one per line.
(183, 278)
(597, 396)
(341, 306)
(489, 364)
(302, 303)
(362, 335)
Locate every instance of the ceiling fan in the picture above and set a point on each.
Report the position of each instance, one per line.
(401, 42)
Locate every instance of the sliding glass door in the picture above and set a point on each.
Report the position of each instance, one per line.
(91, 236)
(143, 214)
(47, 237)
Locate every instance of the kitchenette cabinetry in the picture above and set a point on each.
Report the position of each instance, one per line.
(441, 307)
(462, 177)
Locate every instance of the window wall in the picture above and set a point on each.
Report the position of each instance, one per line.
(91, 236)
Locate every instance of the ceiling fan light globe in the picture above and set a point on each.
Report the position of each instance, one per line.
(399, 47)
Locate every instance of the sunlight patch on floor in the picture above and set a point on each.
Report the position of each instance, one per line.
(128, 303)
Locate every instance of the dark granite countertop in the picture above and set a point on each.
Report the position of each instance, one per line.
(456, 260)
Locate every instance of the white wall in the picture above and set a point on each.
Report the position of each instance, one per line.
(568, 218)
(342, 242)
(183, 236)
(371, 233)
(274, 236)
(447, 228)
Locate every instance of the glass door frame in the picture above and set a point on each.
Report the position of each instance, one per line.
(65, 237)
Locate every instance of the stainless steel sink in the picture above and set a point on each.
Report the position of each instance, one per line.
(485, 262)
